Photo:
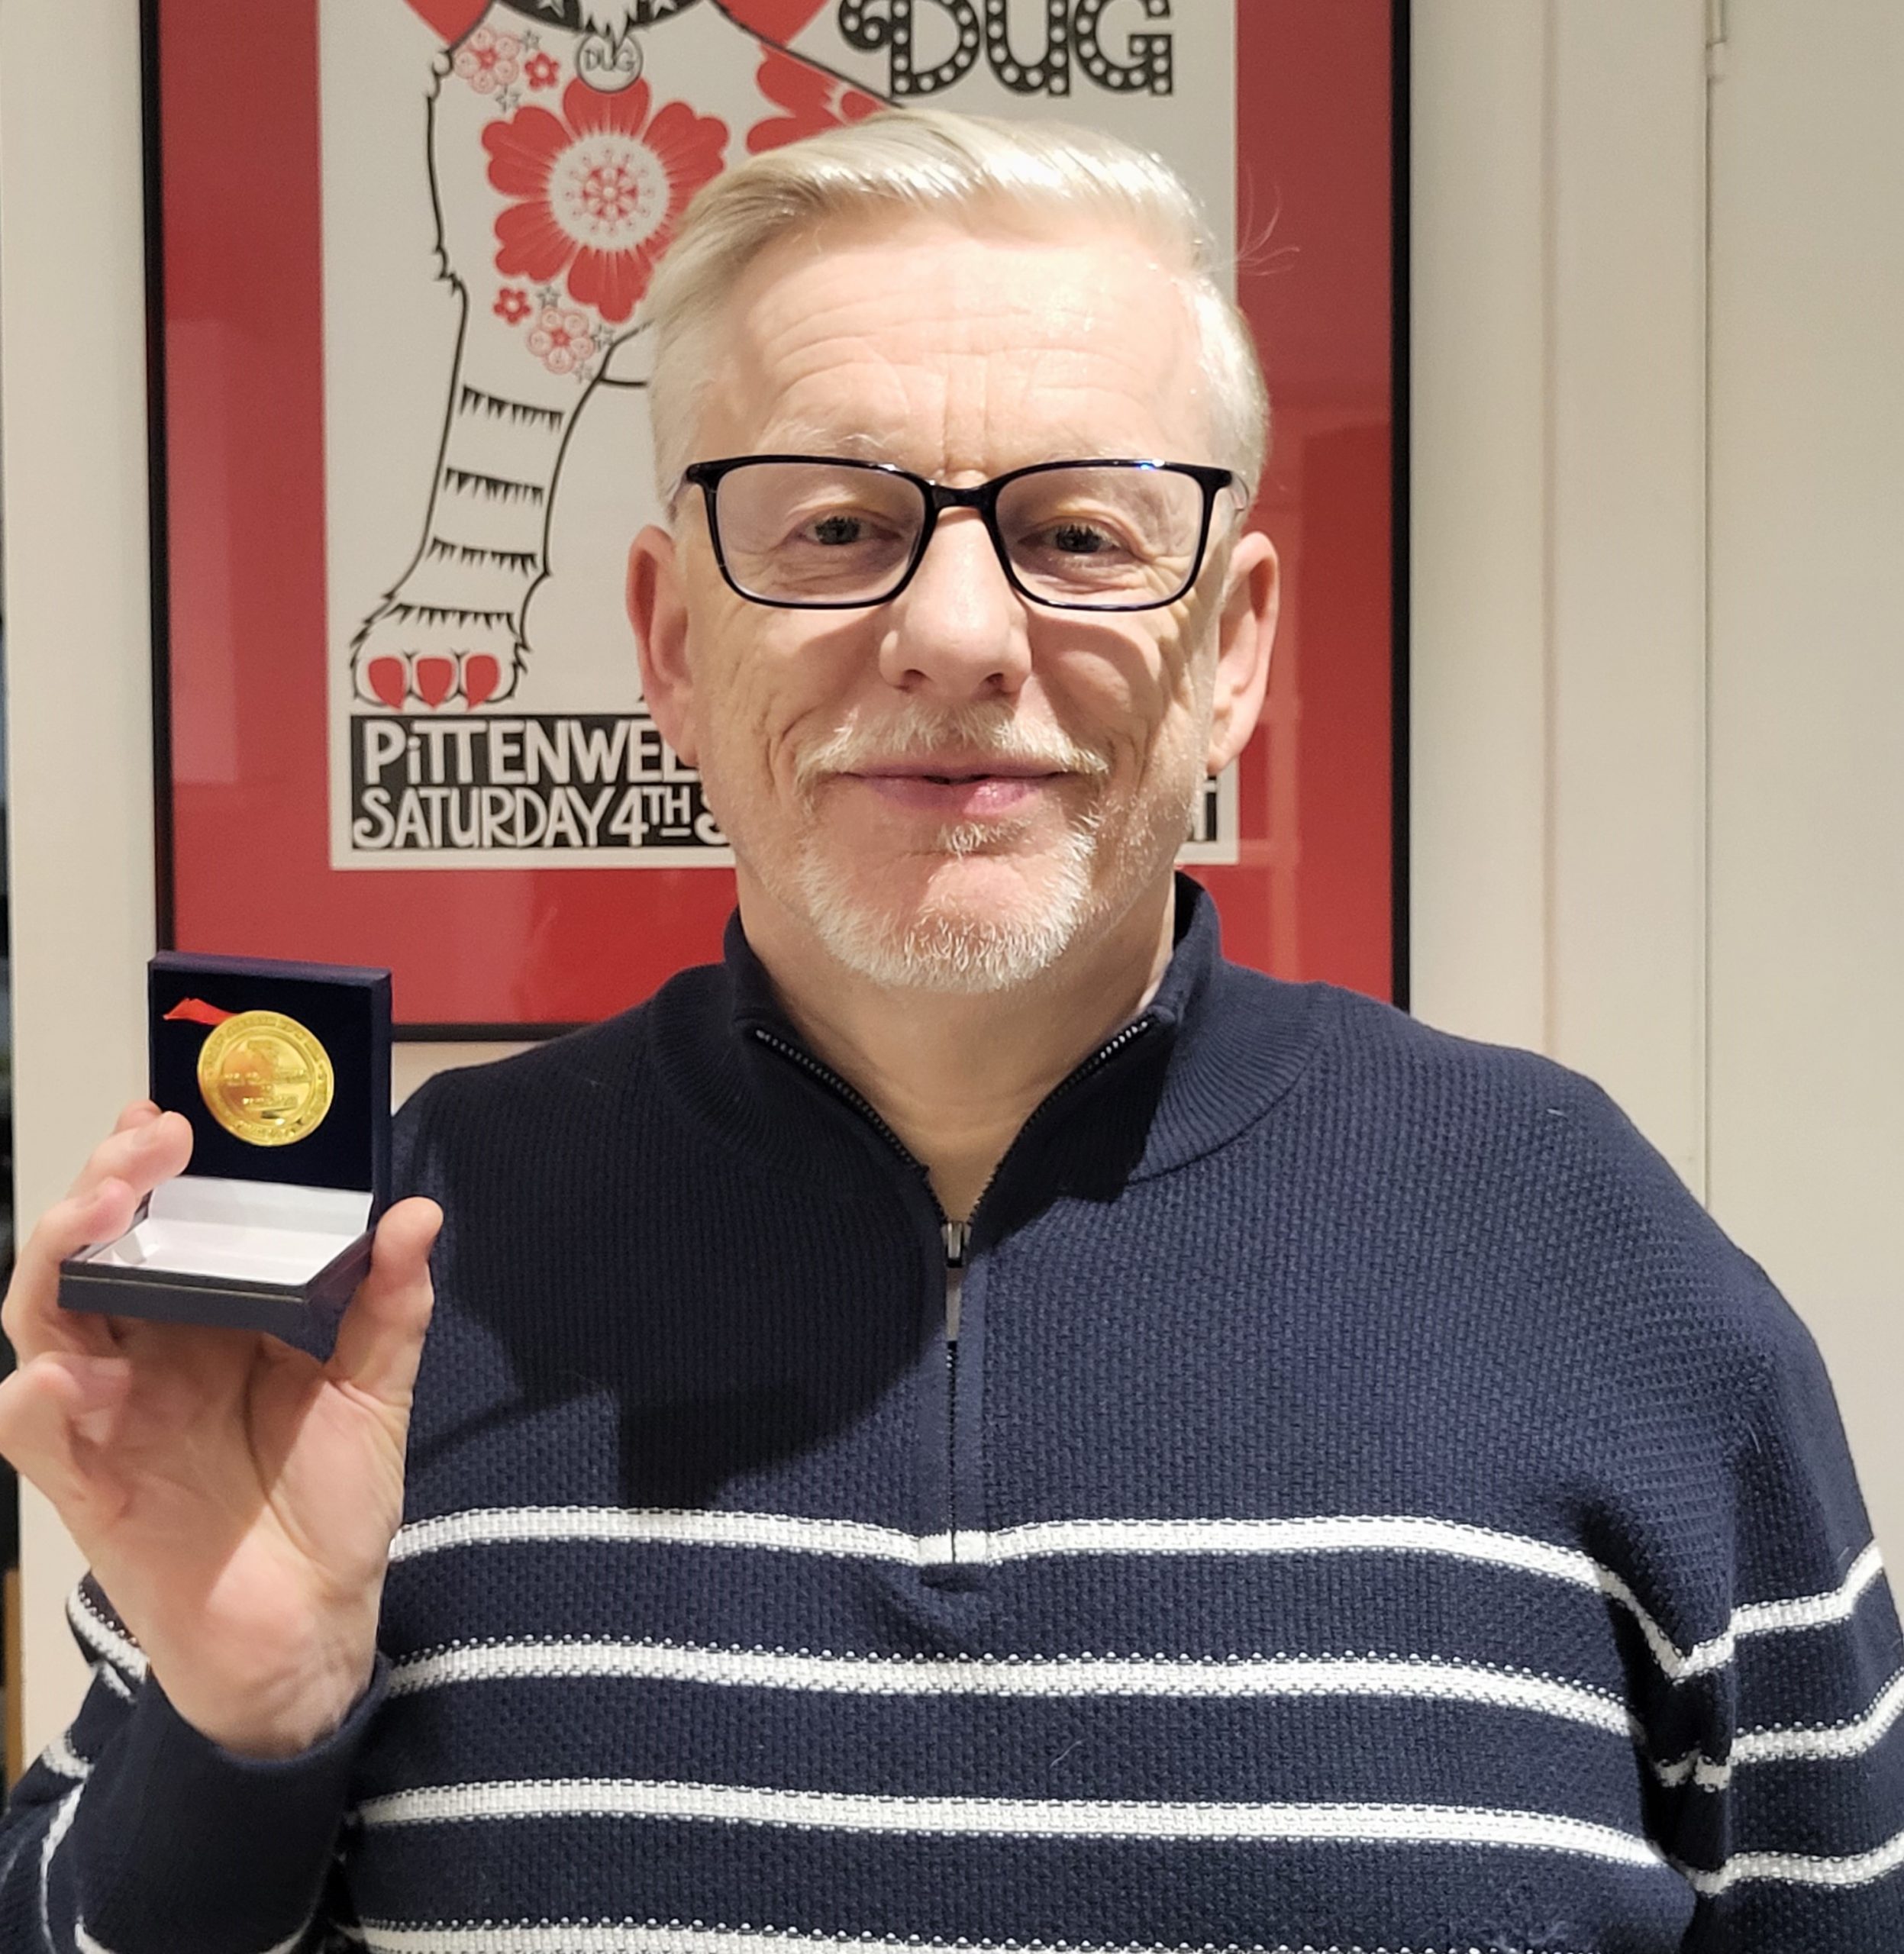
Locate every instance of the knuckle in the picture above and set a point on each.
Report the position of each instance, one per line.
(56, 1233)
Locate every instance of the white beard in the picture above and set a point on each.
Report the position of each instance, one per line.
(945, 947)
(940, 949)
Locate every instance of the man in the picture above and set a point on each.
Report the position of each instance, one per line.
(975, 1422)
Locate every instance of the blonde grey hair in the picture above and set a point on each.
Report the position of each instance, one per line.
(903, 162)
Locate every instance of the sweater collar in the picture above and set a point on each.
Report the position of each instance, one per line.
(1215, 1048)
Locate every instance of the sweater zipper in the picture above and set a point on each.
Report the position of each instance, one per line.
(955, 1237)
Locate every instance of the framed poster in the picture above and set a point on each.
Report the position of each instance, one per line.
(400, 444)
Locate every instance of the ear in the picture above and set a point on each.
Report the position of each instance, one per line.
(1252, 587)
(657, 609)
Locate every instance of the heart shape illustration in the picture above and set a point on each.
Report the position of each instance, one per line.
(772, 20)
(433, 677)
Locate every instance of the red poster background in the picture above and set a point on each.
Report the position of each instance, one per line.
(247, 867)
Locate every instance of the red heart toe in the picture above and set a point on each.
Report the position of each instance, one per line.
(481, 675)
(435, 679)
(387, 679)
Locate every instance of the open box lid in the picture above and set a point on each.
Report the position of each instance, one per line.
(343, 1056)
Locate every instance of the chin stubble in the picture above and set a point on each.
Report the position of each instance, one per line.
(942, 946)
(945, 947)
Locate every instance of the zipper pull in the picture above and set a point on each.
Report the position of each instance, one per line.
(955, 1235)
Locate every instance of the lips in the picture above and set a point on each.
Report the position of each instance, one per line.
(948, 773)
(956, 790)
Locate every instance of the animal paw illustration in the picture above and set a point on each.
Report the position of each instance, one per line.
(558, 171)
(412, 654)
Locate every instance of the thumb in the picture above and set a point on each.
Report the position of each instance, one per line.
(380, 1340)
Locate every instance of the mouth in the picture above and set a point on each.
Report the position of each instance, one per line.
(956, 788)
(947, 773)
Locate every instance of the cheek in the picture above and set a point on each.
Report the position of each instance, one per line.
(1123, 692)
(772, 689)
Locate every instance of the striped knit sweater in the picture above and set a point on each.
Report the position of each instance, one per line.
(1366, 1506)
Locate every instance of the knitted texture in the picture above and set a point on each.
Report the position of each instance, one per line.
(1368, 1508)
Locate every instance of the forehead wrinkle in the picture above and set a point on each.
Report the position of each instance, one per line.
(946, 371)
(972, 413)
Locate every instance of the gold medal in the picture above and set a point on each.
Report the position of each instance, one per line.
(266, 1078)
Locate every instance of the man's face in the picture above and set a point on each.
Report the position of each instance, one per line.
(950, 789)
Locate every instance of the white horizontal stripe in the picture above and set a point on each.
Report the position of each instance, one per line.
(791, 1534)
(1799, 1869)
(1830, 1740)
(1051, 1818)
(105, 1639)
(1061, 1677)
(1822, 1743)
(685, 1937)
(63, 1761)
(1352, 1533)
(509, 1525)
(1812, 1611)
(1782, 1617)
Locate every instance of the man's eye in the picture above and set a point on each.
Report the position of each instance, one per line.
(1079, 539)
(837, 530)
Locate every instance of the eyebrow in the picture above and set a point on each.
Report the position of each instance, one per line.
(808, 437)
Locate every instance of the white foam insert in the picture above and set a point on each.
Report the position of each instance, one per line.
(249, 1231)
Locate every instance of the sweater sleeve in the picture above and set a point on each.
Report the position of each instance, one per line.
(1791, 1831)
(132, 1833)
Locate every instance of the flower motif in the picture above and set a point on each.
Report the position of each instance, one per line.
(512, 304)
(542, 71)
(562, 341)
(488, 61)
(597, 189)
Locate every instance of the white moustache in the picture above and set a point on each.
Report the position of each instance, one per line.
(973, 733)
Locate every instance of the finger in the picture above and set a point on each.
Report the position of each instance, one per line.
(380, 1340)
(146, 1147)
(32, 1317)
(144, 1150)
(53, 1412)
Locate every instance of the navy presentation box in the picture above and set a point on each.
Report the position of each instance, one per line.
(269, 1226)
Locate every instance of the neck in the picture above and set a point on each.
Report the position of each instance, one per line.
(955, 1075)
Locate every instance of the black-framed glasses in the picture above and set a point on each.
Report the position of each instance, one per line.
(811, 532)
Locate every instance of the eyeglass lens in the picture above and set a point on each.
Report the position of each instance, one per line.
(802, 532)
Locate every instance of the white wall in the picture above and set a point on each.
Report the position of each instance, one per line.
(79, 738)
(1658, 791)
(1558, 577)
(1807, 1058)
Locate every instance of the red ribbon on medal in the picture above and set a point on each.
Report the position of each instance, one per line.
(195, 1011)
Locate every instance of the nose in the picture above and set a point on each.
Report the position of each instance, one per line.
(958, 629)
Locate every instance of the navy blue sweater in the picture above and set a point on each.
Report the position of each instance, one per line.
(1367, 1506)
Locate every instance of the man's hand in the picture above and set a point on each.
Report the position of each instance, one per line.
(235, 1499)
